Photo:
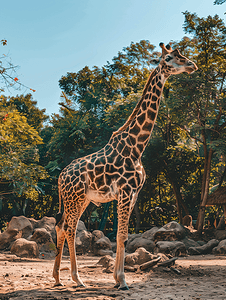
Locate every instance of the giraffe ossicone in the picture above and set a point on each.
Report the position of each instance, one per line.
(115, 172)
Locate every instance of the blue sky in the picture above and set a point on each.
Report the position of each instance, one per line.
(48, 38)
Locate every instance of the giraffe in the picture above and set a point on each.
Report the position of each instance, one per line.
(115, 172)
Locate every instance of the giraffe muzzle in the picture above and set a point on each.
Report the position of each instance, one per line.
(191, 67)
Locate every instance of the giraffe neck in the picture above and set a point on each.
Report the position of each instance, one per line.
(139, 125)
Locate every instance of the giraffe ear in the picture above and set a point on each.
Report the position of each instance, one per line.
(168, 47)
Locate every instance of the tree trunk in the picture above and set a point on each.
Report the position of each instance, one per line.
(204, 191)
(137, 214)
(178, 199)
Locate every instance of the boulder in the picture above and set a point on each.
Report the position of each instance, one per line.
(24, 248)
(205, 249)
(189, 243)
(22, 224)
(104, 252)
(33, 222)
(49, 224)
(96, 235)
(8, 236)
(81, 226)
(220, 249)
(133, 245)
(108, 263)
(220, 235)
(170, 232)
(131, 238)
(175, 248)
(140, 256)
(114, 246)
(149, 234)
(83, 242)
(102, 244)
(44, 241)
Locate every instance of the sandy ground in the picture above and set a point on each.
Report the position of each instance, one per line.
(201, 277)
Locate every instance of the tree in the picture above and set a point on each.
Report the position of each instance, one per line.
(27, 107)
(199, 101)
(8, 75)
(218, 2)
(19, 168)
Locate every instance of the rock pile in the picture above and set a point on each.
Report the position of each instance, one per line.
(177, 240)
(27, 237)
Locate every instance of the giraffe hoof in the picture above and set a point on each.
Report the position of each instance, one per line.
(123, 288)
(58, 284)
(117, 285)
(81, 285)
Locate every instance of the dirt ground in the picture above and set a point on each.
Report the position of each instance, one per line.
(201, 277)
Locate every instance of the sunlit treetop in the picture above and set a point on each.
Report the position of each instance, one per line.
(8, 75)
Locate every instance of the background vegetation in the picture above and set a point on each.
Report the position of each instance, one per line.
(185, 157)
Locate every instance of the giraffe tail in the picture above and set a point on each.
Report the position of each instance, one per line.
(60, 214)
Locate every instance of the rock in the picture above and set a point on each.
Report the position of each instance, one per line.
(220, 249)
(108, 263)
(114, 246)
(140, 256)
(100, 241)
(187, 221)
(96, 235)
(201, 243)
(33, 222)
(170, 232)
(189, 243)
(220, 235)
(149, 234)
(8, 237)
(23, 248)
(104, 252)
(131, 238)
(81, 226)
(44, 241)
(83, 242)
(49, 224)
(175, 248)
(103, 243)
(21, 223)
(205, 249)
(139, 242)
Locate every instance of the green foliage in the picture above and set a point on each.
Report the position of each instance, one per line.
(26, 106)
(218, 2)
(19, 160)
(189, 130)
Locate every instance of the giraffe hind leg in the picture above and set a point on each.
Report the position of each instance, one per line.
(60, 244)
(70, 231)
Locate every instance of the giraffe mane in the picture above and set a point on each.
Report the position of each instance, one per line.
(137, 107)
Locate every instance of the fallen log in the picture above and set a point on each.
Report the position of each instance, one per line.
(175, 270)
(130, 269)
(150, 263)
(168, 262)
(64, 269)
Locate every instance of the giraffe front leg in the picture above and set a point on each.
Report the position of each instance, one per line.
(60, 245)
(70, 236)
(122, 236)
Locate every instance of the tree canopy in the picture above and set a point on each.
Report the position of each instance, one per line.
(184, 159)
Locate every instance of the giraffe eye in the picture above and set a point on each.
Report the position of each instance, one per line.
(168, 58)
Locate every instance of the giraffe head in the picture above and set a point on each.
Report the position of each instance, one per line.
(173, 62)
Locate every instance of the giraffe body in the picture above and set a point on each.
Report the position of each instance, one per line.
(115, 172)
